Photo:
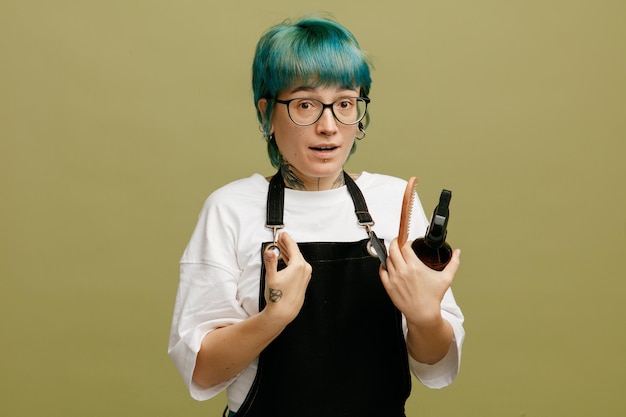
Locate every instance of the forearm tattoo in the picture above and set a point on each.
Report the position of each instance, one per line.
(275, 295)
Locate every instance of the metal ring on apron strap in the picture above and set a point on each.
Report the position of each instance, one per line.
(274, 245)
(368, 228)
(374, 246)
(371, 250)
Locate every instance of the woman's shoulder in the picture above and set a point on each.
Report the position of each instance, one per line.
(376, 181)
(239, 193)
(254, 184)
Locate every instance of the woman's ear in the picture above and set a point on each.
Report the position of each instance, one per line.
(262, 106)
(266, 125)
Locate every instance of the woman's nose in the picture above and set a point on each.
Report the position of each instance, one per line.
(327, 123)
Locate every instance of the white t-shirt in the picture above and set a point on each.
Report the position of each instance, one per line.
(221, 266)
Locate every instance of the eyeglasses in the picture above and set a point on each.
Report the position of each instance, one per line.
(307, 111)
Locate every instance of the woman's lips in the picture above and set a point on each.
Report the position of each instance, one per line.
(324, 152)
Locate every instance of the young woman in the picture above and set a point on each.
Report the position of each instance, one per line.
(282, 301)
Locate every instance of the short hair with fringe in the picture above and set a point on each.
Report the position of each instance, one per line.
(316, 51)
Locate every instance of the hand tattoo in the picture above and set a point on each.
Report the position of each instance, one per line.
(275, 295)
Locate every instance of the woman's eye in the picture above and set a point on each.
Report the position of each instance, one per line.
(306, 105)
(345, 104)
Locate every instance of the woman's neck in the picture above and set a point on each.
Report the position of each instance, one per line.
(297, 181)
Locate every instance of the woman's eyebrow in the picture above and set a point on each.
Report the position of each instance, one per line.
(303, 88)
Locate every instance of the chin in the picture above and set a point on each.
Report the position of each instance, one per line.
(328, 169)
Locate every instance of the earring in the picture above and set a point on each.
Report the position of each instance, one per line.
(361, 133)
(266, 135)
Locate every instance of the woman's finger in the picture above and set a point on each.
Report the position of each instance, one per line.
(288, 247)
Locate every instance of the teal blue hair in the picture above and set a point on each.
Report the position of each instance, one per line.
(315, 51)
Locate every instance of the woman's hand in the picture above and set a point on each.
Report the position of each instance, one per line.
(285, 289)
(226, 351)
(417, 291)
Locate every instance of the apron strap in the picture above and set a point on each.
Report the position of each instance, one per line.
(276, 204)
(375, 247)
(360, 207)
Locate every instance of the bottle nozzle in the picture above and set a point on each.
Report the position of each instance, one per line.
(437, 230)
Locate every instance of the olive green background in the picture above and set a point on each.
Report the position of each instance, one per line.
(119, 117)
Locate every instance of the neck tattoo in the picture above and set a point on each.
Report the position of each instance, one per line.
(292, 181)
(290, 178)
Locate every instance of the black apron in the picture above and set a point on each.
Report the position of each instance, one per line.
(345, 353)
